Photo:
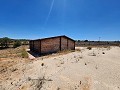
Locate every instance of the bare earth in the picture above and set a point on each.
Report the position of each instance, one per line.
(96, 69)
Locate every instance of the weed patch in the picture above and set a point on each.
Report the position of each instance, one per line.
(90, 48)
(24, 53)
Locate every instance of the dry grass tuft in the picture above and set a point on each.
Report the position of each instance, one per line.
(38, 83)
(14, 52)
(107, 47)
(24, 53)
(78, 50)
(65, 52)
(90, 48)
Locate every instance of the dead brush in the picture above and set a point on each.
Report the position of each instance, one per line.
(107, 47)
(65, 51)
(13, 52)
(38, 83)
(14, 69)
(78, 50)
(62, 62)
(81, 57)
(92, 54)
(89, 48)
(77, 60)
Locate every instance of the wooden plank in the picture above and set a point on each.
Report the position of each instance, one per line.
(40, 46)
(33, 46)
(67, 43)
(74, 45)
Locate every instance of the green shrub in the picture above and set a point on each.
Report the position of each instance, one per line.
(24, 53)
(4, 42)
(17, 44)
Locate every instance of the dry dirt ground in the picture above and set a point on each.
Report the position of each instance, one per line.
(96, 69)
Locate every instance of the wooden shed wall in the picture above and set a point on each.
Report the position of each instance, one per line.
(31, 45)
(64, 43)
(71, 45)
(37, 46)
(50, 45)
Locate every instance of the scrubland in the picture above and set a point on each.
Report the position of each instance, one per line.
(86, 68)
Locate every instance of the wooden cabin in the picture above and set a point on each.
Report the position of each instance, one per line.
(52, 44)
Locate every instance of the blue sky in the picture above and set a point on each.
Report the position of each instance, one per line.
(78, 19)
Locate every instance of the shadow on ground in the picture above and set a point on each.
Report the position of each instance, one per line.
(35, 54)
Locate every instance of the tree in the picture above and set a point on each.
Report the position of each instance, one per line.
(4, 42)
(78, 40)
(86, 41)
(17, 44)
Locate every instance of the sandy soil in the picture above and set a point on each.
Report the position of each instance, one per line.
(96, 69)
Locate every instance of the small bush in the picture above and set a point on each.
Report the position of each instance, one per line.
(17, 44)
(24, 53)
(90, 48)
(86, 41)
(42, 64)
(106, 46)
(103, 52)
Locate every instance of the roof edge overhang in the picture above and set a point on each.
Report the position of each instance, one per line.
(53, 37)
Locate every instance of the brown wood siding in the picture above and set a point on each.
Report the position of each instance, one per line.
(71, 45)
(50, 45)
(63, 43)
(31, 45)
(37, 46)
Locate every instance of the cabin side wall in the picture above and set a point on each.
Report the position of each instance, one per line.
(37, 46)
(64, 43)
(31, 45)
(50, 45)
(67, 44)
(71, 45)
